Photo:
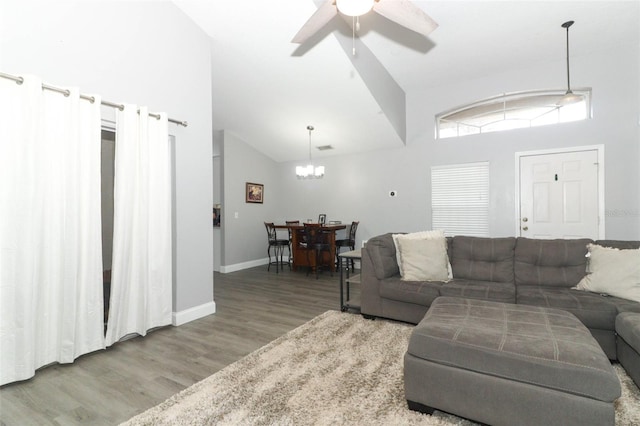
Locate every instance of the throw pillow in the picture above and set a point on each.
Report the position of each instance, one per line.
(423, 259)
(426, 235)
(613, 271)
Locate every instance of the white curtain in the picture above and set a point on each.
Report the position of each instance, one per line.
(141, 278)
(50, 249)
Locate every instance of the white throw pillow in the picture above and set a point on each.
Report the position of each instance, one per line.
(613, 271)
(423, 259)
(422, 235)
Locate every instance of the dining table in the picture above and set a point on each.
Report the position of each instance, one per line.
(301, 256)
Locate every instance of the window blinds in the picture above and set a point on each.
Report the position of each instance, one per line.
(460, 199)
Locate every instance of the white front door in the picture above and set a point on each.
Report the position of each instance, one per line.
(559, 195)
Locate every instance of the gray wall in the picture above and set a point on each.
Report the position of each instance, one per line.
(148, 53)
(244, 237)
(356, 187)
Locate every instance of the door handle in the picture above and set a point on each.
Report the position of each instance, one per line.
(525, 228)
(524, 219)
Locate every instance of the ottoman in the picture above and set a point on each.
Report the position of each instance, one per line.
(506, 364)
(628, 343)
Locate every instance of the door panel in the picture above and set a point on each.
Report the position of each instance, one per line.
(559, 195)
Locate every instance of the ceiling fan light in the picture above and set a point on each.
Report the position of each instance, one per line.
(354, 7)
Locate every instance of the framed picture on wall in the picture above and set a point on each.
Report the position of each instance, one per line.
(216, 215)
(254, 193)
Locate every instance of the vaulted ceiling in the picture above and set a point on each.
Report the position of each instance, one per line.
(266, 90)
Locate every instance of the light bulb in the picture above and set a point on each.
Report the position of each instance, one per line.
(569, 98)
(354, 7)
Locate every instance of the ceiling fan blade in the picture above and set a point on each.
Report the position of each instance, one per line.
(318, 20)
(406, 14)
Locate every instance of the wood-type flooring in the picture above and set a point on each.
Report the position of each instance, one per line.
(253, 307)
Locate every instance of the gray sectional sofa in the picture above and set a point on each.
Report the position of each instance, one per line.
(533, 272)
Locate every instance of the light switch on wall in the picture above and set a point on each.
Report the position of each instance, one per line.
(235, 215)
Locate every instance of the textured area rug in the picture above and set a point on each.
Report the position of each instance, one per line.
(336, 369)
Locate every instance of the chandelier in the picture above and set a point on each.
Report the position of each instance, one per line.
(309, 171)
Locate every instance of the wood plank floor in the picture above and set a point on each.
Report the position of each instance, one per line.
(107, 387)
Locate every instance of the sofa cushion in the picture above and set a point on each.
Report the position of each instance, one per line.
(624, 305)
(421, 235)
(594, 310)
(382, 252)
(612, 271)
(483, 290)
(551, 263)
(483, 259)
(628, 327)
(418, 292)
(423, 259)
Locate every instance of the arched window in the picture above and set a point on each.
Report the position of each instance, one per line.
(513, 111)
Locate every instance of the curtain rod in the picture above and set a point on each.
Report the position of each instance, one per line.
(91, 99)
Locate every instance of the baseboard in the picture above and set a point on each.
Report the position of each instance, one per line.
(246, 265)
(188, 315)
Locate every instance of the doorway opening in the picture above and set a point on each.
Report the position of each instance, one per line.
(107, 171)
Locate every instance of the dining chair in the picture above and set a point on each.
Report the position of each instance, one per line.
(349, 242)
(317, 242)
(277, 244)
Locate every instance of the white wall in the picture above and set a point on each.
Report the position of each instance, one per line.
(148, 53)
(356, 187)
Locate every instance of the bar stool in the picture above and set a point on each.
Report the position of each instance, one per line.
(289, 224)
(277, 244)
(316, 242)
(349, 242)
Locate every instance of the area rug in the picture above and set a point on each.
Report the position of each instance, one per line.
(336, 369)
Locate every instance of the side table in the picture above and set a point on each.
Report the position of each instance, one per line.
(347, 278)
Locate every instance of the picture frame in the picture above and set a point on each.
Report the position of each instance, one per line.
(254, 193)
(216, 215)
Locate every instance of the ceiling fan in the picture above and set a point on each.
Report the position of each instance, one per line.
(402, 12)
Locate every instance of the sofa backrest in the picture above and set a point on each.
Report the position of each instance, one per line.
(550, 263)
(382, 252)
(482, 259)
(619, 244)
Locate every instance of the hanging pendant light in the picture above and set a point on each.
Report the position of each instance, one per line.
(309, 171)
(569, 97)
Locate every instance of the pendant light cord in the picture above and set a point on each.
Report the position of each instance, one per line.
(353, 37)
(567, 25)
(310, 128)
